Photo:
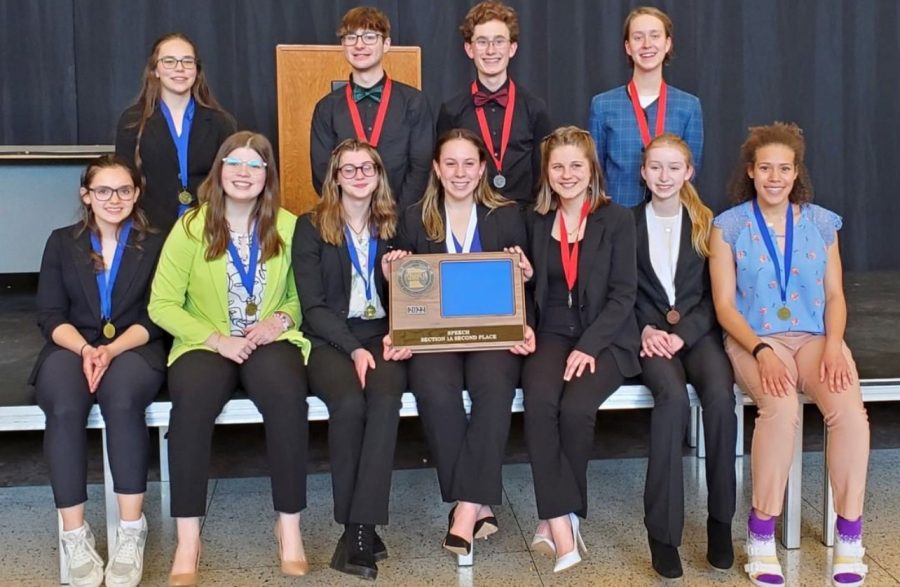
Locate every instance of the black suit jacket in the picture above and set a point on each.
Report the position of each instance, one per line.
(693, 296)
(68, 293)
(607, 282)
(498, 228)
(159, 158)
(323, 272)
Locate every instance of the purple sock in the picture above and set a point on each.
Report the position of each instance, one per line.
(761, 529)
(849, 530)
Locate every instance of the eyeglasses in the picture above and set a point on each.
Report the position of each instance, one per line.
(349, 171)
(499, 43)
(368, 38)
(252, 164)
(171, 62)
(103, 193)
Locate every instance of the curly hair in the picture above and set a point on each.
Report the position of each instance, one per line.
(487, 11)
(367, 18)
(788, 134)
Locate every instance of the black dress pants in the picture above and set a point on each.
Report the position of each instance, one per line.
(126, 389)
(362, 429)
(201, 383)
(559, 423)
(705, 365)
(468, 453)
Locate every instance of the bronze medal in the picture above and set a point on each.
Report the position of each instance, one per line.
(784, 313)
(250, 308)
(673, 316)
(185, 197)
(109, 331)
(370, 311)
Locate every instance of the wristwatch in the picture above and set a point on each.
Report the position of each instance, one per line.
(286, 321)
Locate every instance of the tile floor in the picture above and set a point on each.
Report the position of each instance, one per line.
(239, 549)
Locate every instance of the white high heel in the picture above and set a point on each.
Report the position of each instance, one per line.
(570, 559)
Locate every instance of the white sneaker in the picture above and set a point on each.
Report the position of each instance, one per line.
(126, 563)
(85, 565)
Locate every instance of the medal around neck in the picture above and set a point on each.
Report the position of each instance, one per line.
(673, 317)
(458, 302)
(109, 331)
(499, 181)
(185, 197)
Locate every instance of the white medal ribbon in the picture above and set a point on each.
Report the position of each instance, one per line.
(470, 232)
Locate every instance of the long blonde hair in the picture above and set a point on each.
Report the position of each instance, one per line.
(701, 216)
(547, 199)
(434, 193)
(328, 215)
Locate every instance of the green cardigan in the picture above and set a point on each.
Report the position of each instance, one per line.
(189, 294)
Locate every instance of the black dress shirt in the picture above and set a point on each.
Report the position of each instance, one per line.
(522, 162)
(405, 145)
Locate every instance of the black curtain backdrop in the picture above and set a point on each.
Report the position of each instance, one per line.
(70, 67)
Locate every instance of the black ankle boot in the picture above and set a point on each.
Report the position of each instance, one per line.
(379, 549)
(665, 559)
(719, 548)
(354, 553)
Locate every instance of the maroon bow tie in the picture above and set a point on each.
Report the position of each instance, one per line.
(501, 97)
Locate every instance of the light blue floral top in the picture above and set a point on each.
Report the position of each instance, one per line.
(758, 295)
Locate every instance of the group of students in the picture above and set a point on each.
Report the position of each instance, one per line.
(182, 234)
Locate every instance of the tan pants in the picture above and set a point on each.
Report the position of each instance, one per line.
(777, 423)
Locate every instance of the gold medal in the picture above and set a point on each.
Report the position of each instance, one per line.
(109, 331)
(185, 197)
(250, 308)
(370, 311)
(784, 313)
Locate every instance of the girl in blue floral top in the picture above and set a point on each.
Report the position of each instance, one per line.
(778, 292)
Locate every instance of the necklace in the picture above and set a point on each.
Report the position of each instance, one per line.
(360, 236)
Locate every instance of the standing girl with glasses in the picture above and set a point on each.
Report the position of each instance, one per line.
(173, 130)
(582, 296)
(624, 120)
(341, 259)
(681, 342)
(460, 214)
(101, 347)
(779, 295)
(224, 289)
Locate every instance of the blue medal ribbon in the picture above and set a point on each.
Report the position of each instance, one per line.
(475, 247)
(105, 285)
(181, 143)
(248, 276)
(770, 246)
(354, 259)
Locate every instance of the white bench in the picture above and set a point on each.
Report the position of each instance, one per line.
(242, 411)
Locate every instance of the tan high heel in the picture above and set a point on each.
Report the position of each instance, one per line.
(187, 579)
(289, 567)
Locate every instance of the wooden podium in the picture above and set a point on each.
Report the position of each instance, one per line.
(304, 75)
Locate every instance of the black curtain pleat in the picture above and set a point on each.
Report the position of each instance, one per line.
(70, 67)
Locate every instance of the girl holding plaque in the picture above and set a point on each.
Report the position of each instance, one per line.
(778, 292)
(583, 294)
(458, 214)
(340, 257)
(625, 119)
(681, 342)
(173, 130)
(225, 290)
(101, 347)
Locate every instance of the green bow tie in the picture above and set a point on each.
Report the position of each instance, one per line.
(360, 93)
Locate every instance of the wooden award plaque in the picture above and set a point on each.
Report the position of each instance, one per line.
(445, 302)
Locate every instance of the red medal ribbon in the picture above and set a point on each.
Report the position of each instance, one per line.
(641, 116)
(507, 125)
(379, 116)
(570, 261)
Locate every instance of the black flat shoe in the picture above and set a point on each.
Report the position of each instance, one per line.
(379, 549)
(354, 555)
(665, 559)
(485, 527)
(719, 548)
